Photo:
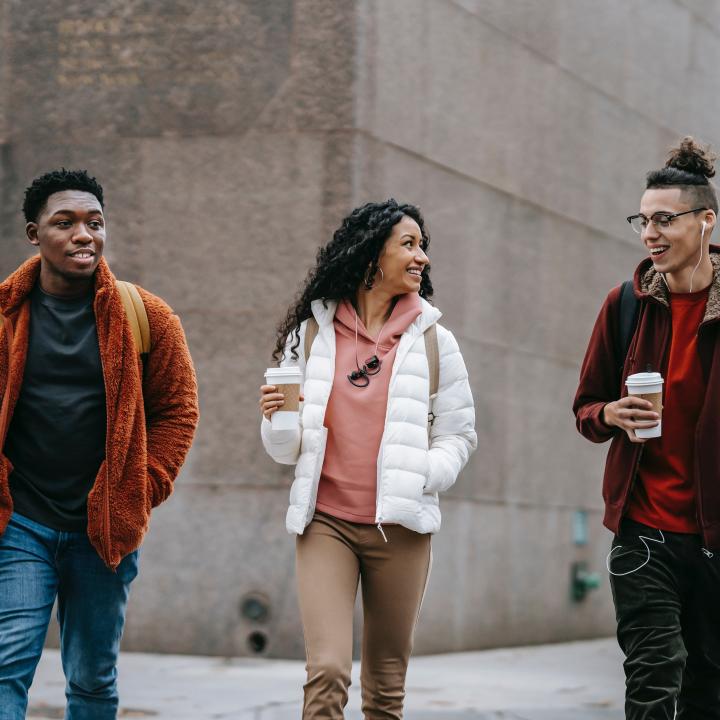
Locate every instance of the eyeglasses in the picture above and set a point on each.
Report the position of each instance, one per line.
(361, 376)
(661, 221)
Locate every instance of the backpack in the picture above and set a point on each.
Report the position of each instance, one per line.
(136, 315)
(431, 350)
(627, 320)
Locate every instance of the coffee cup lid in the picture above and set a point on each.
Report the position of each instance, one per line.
(644, 378)
(283, 372)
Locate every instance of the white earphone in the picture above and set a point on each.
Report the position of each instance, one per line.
(702, 238)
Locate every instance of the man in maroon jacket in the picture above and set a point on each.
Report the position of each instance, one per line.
(662, 495)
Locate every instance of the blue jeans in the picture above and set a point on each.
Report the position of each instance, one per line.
(38, 564)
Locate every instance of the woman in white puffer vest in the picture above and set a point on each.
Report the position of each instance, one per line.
(372, 450)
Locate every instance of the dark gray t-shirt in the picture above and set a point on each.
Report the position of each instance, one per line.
(56, 440)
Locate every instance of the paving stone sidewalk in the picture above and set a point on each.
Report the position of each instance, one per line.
(571, 681)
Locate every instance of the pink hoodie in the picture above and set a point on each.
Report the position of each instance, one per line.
(355, 417)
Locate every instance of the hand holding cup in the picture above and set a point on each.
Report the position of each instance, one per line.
(639, 414)
(270, 400)
(631, 413)
(280, 402)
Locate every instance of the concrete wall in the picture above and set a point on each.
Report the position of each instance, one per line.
(232, 136)
(524, 130)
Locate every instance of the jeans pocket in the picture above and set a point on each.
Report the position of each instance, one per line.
(128, 568)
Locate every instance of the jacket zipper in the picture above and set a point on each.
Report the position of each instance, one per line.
(698, 487)
(696, 464)
(317, 472)
(378, 496)
(106, 490)
(633, 479)
(321, 457)
(106, 512)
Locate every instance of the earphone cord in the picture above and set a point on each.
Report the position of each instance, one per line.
(357, 362)
(692, 275)
(702, 238)
(643, 539)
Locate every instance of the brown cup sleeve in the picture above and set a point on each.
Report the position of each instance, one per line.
(292, 397)
(654, 398)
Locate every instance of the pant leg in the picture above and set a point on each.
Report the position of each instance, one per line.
(700, 694)
(28, 585)
(92, 600)
(648, 606)
(393, 577)
(327, 577)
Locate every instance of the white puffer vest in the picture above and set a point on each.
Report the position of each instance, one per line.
(411, 468)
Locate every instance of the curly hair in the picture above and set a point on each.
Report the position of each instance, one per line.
(689, 167)
(348, 260)
(54, 181)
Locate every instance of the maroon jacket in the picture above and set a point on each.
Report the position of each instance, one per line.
(602, 380)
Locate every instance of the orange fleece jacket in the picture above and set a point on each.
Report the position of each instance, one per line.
(150, 421)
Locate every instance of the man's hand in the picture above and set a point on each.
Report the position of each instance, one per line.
(629, 414)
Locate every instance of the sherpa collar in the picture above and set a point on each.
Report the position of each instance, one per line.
(15, 289)
(650, 282)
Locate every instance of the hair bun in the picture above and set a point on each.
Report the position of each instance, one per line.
(692, 158)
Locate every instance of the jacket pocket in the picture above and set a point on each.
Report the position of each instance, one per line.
(620, 469)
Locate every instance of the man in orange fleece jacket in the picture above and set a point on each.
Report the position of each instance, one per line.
(94, 438)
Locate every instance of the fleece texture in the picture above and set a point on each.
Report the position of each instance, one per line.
(412, 468)
(151, 419)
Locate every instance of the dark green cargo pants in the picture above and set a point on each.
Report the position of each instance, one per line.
(668, 623)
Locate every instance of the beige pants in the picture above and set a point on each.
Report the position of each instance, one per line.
(332, 555)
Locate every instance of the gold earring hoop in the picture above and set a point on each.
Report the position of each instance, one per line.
(369, 280)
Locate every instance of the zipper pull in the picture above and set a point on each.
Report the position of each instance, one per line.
(382, 532)
(707, 552)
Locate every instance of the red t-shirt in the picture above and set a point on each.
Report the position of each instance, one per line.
(664, 494)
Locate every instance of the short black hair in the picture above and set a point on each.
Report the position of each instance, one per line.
(689, 167)
(54, 181)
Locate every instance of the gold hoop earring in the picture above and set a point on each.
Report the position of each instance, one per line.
(369, 280)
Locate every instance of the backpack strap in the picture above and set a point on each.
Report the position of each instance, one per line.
(627, 319)
(5, 407)
(136, 315)
(311, 331)
(432, 351)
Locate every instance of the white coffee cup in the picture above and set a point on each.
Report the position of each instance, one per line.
(648, 386)
(287, 381)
